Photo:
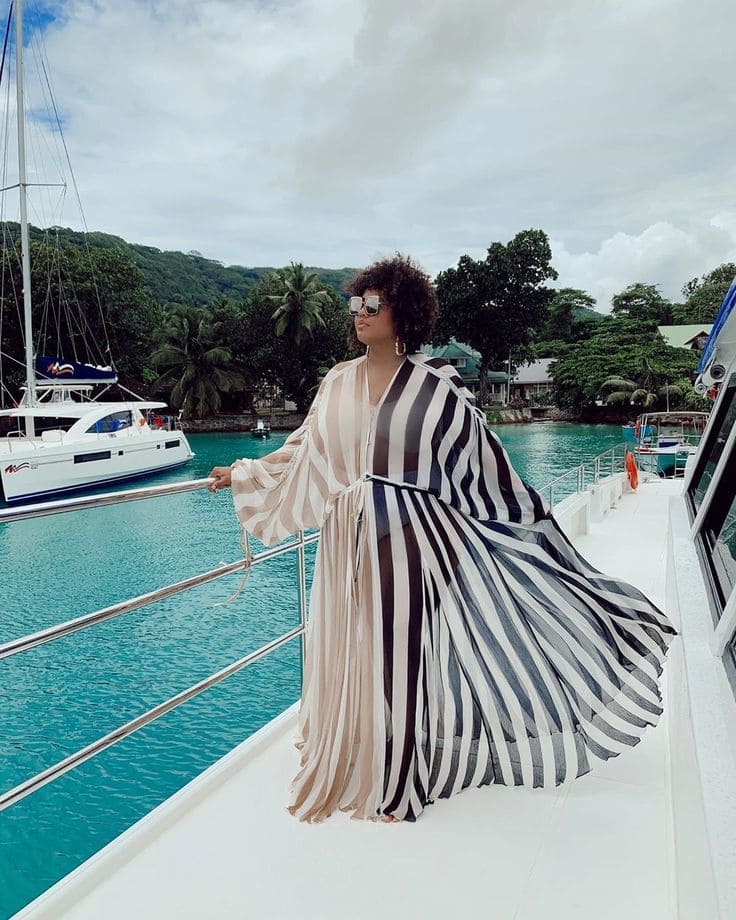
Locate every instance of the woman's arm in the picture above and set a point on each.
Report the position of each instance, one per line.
(223, 474)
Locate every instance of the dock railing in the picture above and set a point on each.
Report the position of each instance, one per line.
(605, 464)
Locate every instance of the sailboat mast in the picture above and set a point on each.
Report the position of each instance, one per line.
(25, 247)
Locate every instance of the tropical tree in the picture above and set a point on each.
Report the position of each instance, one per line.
(704, 297)
(301, 299)
(295, 368)
(496, 304)
(642, 303)
(627, 393)
(194, 361)
(620, 360)
(570, 317)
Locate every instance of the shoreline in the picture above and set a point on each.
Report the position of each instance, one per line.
(234, 423)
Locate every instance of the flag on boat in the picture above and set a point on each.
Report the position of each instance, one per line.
(726, 343)
(58, 369)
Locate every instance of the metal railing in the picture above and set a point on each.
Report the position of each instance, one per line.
(52, 633)
(587, 474)
(604, 464)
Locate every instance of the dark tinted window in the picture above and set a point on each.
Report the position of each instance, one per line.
(113, 422)
(718, 534)
(88, 458)
(729, 661)
(712, 450)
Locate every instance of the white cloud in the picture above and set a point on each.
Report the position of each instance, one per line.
(661, 254)
(333, 130)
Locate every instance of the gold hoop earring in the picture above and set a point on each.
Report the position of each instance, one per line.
(403, 346)
(367, 350)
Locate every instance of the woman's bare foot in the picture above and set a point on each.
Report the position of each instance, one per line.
(389, 819)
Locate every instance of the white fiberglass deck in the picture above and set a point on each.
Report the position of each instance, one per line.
(225, 846)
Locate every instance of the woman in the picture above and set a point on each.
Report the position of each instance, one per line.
(456, 638)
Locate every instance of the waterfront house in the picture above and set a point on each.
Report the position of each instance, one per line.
(467, 362)
(533, 381)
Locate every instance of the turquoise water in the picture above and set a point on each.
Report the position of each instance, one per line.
(60, 697)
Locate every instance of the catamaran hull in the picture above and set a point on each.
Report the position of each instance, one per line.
(47, 471)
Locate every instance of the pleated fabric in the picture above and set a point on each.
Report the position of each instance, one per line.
(456, 637)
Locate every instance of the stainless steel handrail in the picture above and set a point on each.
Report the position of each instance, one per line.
(63, 629)
(581, 471)
(23, 643)
(73, 760)
(58, 506)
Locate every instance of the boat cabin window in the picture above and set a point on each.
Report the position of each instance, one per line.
(729, 659)
(113, 422)
(716, 536)
(713, 448)
(718, 533)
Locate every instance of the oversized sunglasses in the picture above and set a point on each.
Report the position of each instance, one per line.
(372, 304)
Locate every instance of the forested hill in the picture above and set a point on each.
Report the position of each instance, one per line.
(179, 277)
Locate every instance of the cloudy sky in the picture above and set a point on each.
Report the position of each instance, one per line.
(334, 131)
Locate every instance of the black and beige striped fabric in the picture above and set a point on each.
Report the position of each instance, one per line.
(456, 637)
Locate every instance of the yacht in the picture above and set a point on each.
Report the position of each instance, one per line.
(74, 445)
(663, 441)
(58, 438)
(649, 835)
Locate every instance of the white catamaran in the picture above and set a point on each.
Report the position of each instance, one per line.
(58, 439)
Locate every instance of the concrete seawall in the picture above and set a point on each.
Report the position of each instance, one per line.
(281, 422)
(290, 421)
(534, 414)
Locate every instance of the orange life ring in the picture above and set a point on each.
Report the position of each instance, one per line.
(631, 470)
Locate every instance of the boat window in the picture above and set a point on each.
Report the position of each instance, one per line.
(729, 660)
(713, 448)
(88, 458)
(113, 422)
(718, 534)
(172, 444)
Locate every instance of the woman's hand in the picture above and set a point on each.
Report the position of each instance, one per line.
(221, 475)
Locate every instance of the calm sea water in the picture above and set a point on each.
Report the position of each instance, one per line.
(60, 697)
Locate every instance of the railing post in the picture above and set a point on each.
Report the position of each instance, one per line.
(302, 575)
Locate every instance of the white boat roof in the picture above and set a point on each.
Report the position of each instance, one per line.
(75, 410)
(225, 846)
(675, 413)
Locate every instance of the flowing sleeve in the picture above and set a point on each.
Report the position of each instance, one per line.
(279, 494)
(479, 476)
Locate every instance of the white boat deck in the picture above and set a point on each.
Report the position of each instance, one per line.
(599, 847)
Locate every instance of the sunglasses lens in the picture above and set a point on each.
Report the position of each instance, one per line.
(372, 304)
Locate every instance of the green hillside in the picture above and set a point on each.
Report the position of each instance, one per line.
(179, 277)
(585, 314)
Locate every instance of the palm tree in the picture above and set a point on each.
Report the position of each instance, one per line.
(301, 299)
(192, 359)
(627, 392)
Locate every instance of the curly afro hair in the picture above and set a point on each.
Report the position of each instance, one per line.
(409, 291)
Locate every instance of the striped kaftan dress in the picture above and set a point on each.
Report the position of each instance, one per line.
(456, 638)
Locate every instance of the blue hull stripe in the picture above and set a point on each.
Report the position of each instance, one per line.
(95, 485)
